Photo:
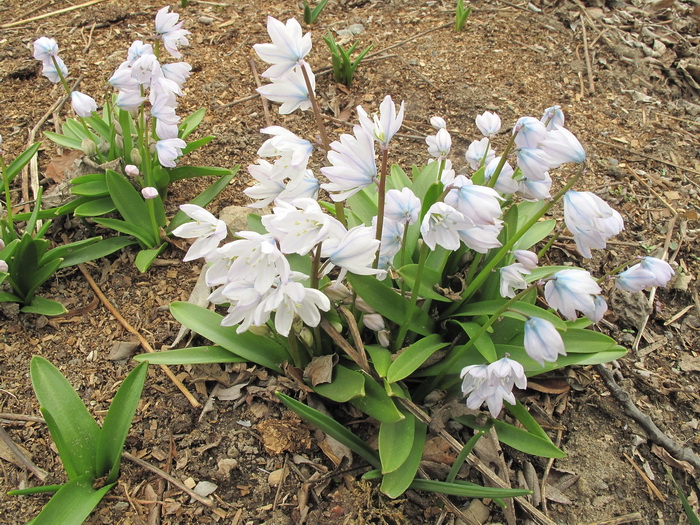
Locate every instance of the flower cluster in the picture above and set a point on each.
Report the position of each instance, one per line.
(492, 384)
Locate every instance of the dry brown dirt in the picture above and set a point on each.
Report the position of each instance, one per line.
(635, 108)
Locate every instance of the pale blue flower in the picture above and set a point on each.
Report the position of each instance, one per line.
(572, 290)
(553, 117)
(591, 220)
(530, 132)
(288, 47)
(561, 146)
(402, 206)
(353, 165)
(45, 48)
(83, 105)
(290, 90)
(384, 126)
(650, 272)
(542, 341)
(488, 123)
(492, 384)
(479, 151)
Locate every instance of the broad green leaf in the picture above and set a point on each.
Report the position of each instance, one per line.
(78, 430)
(380, 357)
(424, 178)
(413, 357)
(94, 207)
(521, 413)
(43, 274)
(41, 489)
(376, 403)
(203, 198)
(429, 279)
(73, 128)
(483, 343)
(190, 123)
(530, 310)
(72, 504)
(396, 442)
(117, 423)
(191, 356)
(128, 201)
(466, 490)
(7, 297)
(256, 349)
(145, 258)
(587, 341)
(196, 144)
(331, 427)
(346, 385)
(364, 204)
(398, 179)
(61, 251)
(187, 172)
(535, 234)
(63, 140)
(91, 189)
(100, 126)
(125, 122)
(396, 482)
(480, 308)
(44, 306)
(390, 304)
(145, 236)
(20, 162)
(95, 251)
(90, 177)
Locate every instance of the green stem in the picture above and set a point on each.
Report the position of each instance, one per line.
(441, 169)
(618, 269)
(549, 244)
(315, 266)
(462, 456)
(486, 271)
(473, 267)
(294, 350)
(381, 196)
(92, 137)
(403, 329)
(60, 75)
(502, 162)
(154, 223)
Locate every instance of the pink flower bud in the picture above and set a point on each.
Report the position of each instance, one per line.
(149, 193)
(131, 170)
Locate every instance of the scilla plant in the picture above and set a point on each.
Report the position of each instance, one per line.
(26, 258)
(407, 284)
(90, 454)
(137, 138)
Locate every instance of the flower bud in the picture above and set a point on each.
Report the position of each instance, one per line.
(83, 105)
(362, 306)
(3, 267)
(383, 338)
(131, 170)
(103, 147)
(135, 156)
(88, 147)
(259, 330)
(337, 291)
(119, 141)
(117, 127)
(2, 243)
(338, 326)
(527, 258)
(306, 336)
(149, 193)
(374, 322)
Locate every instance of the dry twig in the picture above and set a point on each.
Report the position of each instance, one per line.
(265, 102)
(24, 460)
(145, 344)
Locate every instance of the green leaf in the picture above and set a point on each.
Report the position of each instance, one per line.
(129, 202)
(190, 123)
(94, 251)
(196, 144)
(94, 207)
(413, 357)
(43, 306)
(535, 234)
(397, 482)
(117, 422)
(145, 258)
(530, 310)
(193, 355)
(587, 341)
(331, 427)
(43, 274)
(188, 172)
(20, 162)
(7, 297)
(466, 490)
(145, 236)
(529, 422)
(72, 504)
(483, 344)
(203, 198)
(398, 179)
(545, 271)
(396, 442)
(94, 188)
(100, 126)
(63, 140)
(127, 127)
(364, 204)
(78, 431)
(376, 403)
(254, 348)
(687, 508)
(381, 358)
(390, 304)
(346, 385)
(430, 278)
(41, 489)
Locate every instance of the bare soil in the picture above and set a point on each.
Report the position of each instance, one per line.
(632, 100)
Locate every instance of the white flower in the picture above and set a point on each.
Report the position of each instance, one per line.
(49, 69)
(207, 229)
(438, 123)
(527, 258)
(440, 226)
(354, 252)
(392, 238)
(571, 290)
(169, 150)
(298, 226)
(136, 50)
(45, 48)
(480, 204)
(288, 47)
(488, 123)
(149, 192)
(530, 132)
(166, 119)
(290, 90)
(591, 220)
(178, 72)
(170, 30)
(291, 299)
(553, 117)
(534, 163)
(353, 165)
(402, 206)
(542, 341)
(512, 279)
(293, 152)
(384, 126)
(535, 190)
(123, 80)
(492, 384)
(505, 183)
(304, 187)
(439, 145)
(650, 272)
(561, 146)
(374, 322)
(83, 105)
(478, 151)
(129, 100)
(480, 238)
